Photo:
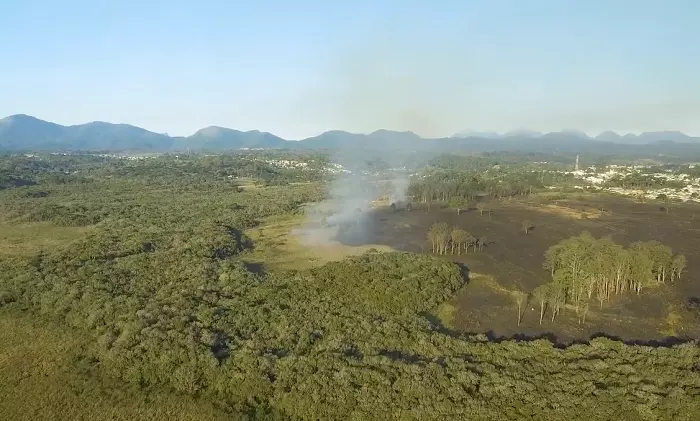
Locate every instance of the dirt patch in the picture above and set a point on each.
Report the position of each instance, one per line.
(568, 212)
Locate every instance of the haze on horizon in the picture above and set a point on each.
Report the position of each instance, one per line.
(299, 68)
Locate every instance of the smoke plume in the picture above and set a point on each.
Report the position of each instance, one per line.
(353, 195)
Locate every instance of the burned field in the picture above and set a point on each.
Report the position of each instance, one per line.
(512, 259)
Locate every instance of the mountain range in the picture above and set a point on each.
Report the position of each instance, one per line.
(606, 136)
(26, 133)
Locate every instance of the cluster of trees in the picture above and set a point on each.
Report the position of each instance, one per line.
(443, 186)
(443, 238)
(585, 268)
(493, 175)
(162, 288)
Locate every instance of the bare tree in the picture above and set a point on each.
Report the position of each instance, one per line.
(666, 200)
(471, 241)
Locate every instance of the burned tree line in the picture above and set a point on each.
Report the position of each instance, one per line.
(584, 268)
(454, 240)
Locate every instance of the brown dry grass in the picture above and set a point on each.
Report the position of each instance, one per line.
(568, 212)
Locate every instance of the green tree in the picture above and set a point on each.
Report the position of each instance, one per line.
(459, 238)
(439, 236)
(556, 299)
(678, 264)
(521, 300)
(459, 203)
(541, 294)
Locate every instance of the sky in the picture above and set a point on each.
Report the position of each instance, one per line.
(298, 68)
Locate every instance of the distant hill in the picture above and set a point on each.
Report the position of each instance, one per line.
(100, 135)
(23, 132)
(495, 135)
(609, 136)
(380, 139)
(476, 133)
(220, 138)
(666, 136)
(27, 133)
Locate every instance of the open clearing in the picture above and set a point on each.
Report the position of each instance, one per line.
(278, 245)
(21, 239)
(514, 259)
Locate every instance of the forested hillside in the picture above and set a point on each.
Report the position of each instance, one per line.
(153, 271)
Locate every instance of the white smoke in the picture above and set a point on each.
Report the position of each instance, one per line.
(345, 214)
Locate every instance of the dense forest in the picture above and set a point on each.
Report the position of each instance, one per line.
(156, 277)
(494, 176)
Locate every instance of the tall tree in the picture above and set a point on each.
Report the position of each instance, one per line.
(442, 236)
(460, 203)
(471, 241)
(459, 238)
(678, 264)
(481, 242)
(521, 300)
(541, 294)
(433, 237)
(556, 298)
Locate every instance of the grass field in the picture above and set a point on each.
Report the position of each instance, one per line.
(20, 239)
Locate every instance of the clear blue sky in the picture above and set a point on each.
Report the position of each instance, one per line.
(296, 68)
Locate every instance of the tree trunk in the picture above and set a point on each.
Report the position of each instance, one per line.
(541, 311)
